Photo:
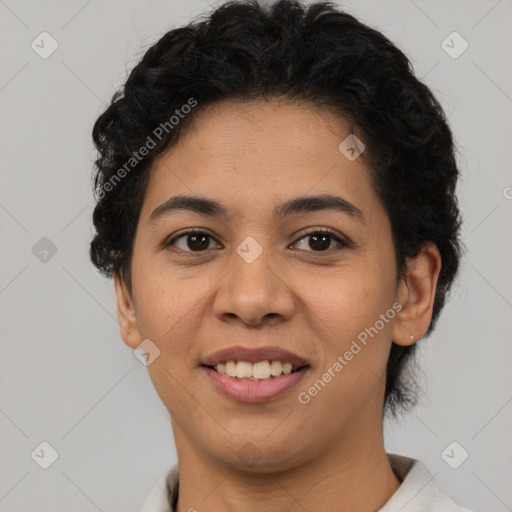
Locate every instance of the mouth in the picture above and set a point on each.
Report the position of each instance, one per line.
(251, 374)
(250, 388)
(259, 371)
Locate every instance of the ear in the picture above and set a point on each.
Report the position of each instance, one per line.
(416, 294)
(126, 314)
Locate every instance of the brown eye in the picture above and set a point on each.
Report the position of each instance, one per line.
(191, 241)
(320, 240)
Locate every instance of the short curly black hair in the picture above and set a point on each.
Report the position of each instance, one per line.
(316, 54)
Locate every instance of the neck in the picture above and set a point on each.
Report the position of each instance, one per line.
(352, 474)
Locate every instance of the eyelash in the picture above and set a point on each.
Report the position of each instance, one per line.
(324, 231)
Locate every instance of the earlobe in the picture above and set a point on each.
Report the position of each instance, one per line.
(416, 294)
(126, 313)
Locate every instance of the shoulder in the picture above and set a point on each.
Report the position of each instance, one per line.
(164, 493)
(419, 491)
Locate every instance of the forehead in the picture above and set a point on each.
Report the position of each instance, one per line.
(254, 155)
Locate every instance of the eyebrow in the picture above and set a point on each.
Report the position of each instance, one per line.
(298, 205)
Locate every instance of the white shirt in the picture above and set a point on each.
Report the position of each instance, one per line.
(418, 492)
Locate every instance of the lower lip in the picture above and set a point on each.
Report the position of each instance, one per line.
(255, 390)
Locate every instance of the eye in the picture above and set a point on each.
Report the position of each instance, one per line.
(191, 241)
(320, 240)
(199, 241)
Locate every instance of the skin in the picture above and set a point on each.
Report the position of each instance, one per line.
(329, 453)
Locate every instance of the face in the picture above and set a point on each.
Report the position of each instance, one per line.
(255, 279)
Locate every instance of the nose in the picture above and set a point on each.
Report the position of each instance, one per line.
(254, 293)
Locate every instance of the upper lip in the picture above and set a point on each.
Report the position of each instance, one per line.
(253, 355)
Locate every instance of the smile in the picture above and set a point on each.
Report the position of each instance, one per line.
(247, 387)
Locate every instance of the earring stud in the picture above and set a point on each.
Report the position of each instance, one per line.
(412, 337)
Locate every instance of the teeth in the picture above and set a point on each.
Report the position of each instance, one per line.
(276, 368)
(230, 369)
(243, 370)
(287, 368)
(261, 370)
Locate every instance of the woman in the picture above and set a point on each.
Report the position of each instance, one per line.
(276, 204)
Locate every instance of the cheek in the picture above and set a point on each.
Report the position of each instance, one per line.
(168, 309)
(164, 302)
(169, 314)
(356, 309)
(350, 299)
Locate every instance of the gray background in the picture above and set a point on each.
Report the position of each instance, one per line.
(67, 378)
